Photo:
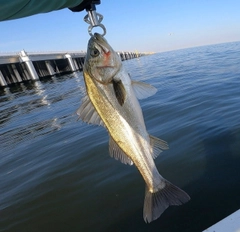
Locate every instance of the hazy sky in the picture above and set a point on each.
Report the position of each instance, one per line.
(143, 25)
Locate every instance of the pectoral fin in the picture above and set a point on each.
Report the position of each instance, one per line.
(143, 90)
(120, 91)
(116, 152)
(157, 146)
(88, 114)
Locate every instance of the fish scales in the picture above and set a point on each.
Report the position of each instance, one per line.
(111, 101)
(120, 129)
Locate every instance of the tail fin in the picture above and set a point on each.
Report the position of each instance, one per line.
(156, 203)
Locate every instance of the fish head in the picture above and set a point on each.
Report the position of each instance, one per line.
(101, 61)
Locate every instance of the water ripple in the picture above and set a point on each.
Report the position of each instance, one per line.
(56, 173)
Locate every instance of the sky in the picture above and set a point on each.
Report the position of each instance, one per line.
(142, 25)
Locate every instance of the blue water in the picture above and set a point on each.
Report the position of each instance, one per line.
(56, 173)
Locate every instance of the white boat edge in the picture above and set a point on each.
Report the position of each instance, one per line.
(229, 224)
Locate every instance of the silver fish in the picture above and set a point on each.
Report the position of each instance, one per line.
(111, 101)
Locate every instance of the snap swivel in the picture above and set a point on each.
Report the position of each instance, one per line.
(94, 19)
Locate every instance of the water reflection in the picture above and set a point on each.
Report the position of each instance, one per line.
(40, 91)
(28, 108)
(52, 166)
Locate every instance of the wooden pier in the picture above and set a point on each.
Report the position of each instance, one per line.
(23, 66)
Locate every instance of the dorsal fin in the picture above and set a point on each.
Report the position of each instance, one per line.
(157, 146)
(143, 90)
(120, 91)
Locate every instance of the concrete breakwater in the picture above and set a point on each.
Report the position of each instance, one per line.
(23, 66)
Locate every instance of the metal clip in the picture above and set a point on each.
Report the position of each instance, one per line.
(94, 19)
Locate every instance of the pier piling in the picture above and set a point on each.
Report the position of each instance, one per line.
(2, 80)
(50, 68)
(23, 66)
(29, 65)
(71, 63)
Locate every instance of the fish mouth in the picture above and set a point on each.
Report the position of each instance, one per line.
(101, 42)
(99, 37)
(104, 66)
(105, 49)
(102, 70)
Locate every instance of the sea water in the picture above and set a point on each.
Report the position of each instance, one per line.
(56, 173)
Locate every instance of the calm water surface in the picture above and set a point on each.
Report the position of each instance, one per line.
(56, 173)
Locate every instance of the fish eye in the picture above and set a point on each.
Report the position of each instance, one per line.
(94, 52)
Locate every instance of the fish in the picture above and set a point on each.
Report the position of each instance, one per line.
(112, 101)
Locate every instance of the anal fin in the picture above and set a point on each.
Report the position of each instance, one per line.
(116, 152)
